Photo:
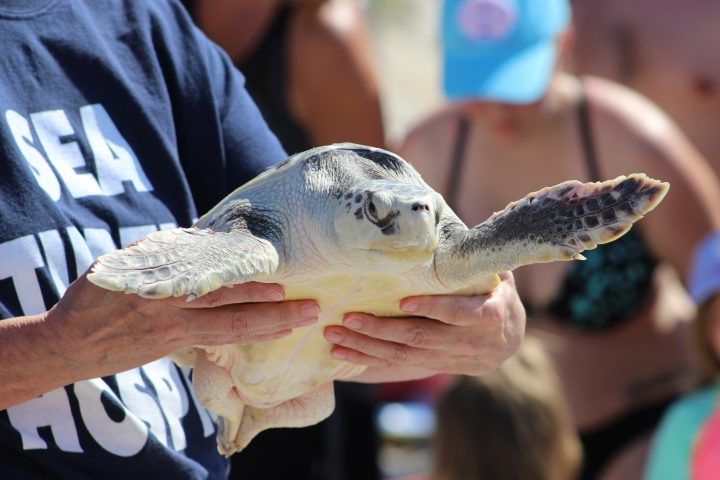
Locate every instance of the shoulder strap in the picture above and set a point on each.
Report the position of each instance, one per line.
(458, 154)
(190, 6)
(586, 136)
(267, 79)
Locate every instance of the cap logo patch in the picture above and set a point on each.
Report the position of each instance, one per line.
(486, 20)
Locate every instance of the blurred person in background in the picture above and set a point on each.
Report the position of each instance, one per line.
(617, 324)
(307, 64)
(664, 49)
(308, 67)
(511, 424)
(687, 441)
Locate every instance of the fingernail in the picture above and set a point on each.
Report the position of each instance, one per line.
(338, 354)
(275, 295)
(410, 306)
(282, 333)
(334, 336)
(353, 323)
(310, 311)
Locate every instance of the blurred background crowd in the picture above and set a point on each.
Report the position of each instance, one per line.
(491, 99)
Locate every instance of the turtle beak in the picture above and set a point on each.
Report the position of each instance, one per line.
(409, 225)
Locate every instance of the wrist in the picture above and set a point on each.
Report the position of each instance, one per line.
(32, 362)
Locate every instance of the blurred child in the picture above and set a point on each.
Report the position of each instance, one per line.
(687, 442)
(511, 424)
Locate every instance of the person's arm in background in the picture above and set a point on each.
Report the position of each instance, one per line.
(332, 86)
(334, 89)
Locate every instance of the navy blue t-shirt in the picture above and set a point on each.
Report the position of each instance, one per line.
(117, 118)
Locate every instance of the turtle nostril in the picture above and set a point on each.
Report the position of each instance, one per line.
(420, 206)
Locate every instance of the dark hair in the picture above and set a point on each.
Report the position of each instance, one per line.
(511, 424)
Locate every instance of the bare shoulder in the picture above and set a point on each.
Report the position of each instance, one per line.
(429, 144)
(332, 34)
(438, 126)
(621, 110)
(632, 131)
(333, 83)
(333, 23)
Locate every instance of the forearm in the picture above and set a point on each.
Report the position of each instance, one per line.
(30, 361)
(93, 332)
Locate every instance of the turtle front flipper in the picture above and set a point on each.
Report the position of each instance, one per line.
(186, 261)
(555, 223)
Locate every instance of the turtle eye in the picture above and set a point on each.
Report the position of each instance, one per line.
(371, 209)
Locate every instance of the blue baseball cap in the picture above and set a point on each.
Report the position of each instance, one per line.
(503, 50)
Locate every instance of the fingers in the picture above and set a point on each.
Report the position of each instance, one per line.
(248, 322)
(419, 334)
(451, 309)
(213, 340)
(367, 349)
(240, 293)
(467, 335)
(356, 348)
(507, 277)
(413, 332)
(458, 309)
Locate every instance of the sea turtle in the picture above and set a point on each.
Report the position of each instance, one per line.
(357, 229)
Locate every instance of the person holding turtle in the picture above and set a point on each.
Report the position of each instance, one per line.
(617, 323)
(119, 119)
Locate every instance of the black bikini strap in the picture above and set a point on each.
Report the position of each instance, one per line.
(453, 184)
(190, 6)
(586, 137)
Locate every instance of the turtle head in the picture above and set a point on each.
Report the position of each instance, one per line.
(387, 218)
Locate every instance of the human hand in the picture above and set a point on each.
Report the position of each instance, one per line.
(467, 335)
(98, 332)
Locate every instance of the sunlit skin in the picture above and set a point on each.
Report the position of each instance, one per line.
(332, 93)
(510, 122)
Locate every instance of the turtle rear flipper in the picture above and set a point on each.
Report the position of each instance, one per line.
(185, 261)
(555, 223)
(308, 409)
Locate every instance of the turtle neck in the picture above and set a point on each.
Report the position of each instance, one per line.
(24, 8)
